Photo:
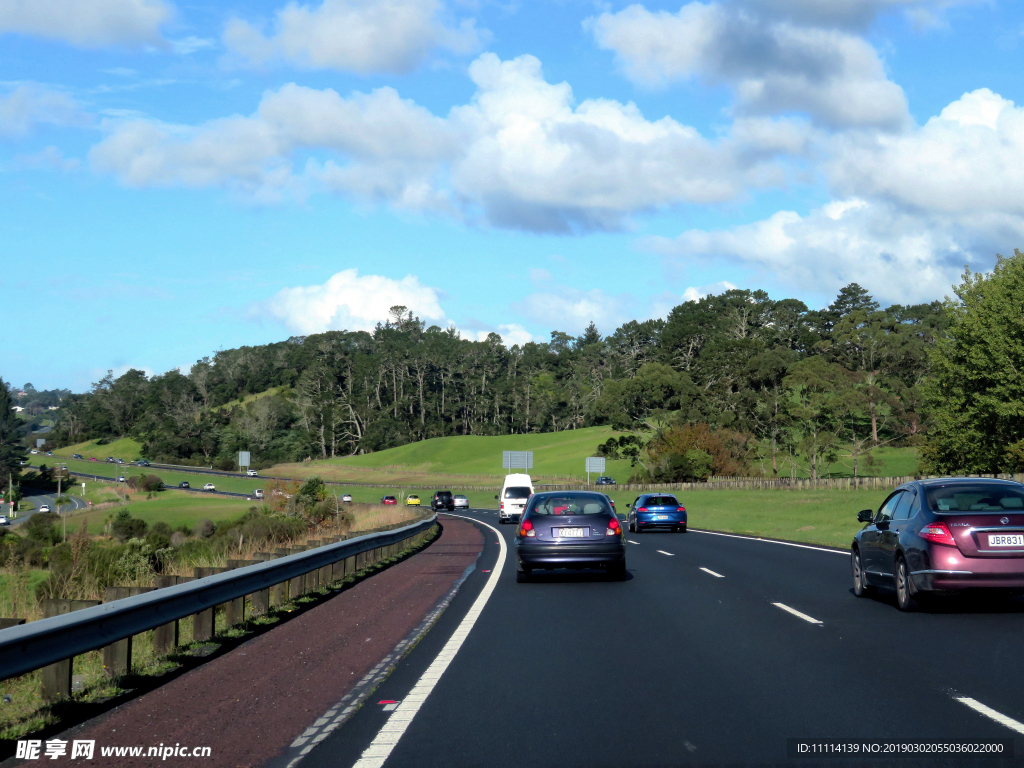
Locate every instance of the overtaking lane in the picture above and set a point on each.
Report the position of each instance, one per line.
(673, 665)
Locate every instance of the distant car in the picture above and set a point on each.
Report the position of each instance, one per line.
(346, 498)
(250, 473)
(142, 463)
(940, 536)
(389, 500)
(570, 529)
(119, 461)
(44, 507)
(610, 501)
(656, 510)
(412, 501)
(49, 453)
(77, 456)
(4, 520)
(121, 479)
(24, 463)
(460, 502)
(209, 487)
(110, 459)
(33, 451)
(605, 480)
(442, 500)
(184, 484)
(93, 458)
(258, 493)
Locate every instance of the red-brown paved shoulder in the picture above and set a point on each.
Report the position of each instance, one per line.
(251, 703)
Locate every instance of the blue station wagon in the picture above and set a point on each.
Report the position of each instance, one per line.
(656, 510)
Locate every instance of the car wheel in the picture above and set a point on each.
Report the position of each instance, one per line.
(904, 599)
(861, 588)
(522, 576)
(617, 572)
(682, 529)
(639, 530)
(632, 528)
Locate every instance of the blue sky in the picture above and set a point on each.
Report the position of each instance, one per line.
(180, 178)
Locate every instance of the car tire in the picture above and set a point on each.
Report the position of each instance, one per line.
(905, 600)
(861, 588)
(682, 529)
(522, 576)
(617, 572)
(632, 528)
(639, 530)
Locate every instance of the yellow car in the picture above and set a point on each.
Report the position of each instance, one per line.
(412, 501)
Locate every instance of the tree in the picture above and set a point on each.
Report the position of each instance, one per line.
(817, 405)
(976, 390)
(12, 452)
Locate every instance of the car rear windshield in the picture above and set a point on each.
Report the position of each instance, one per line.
(517, 492)
(661, 501)
(443, 494)
(976, 497)
(571, 504)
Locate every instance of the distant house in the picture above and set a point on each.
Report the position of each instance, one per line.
(17, 409)
(52, 407)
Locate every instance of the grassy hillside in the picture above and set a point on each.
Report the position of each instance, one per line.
(122, 448)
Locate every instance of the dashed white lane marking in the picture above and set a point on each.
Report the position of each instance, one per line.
(663, 552)
(708, 570)
(999, 717)
(380, 748)
(632, 542)
(795, 612)
(773, 541)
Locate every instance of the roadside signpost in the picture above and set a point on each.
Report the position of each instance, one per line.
(516, 460)
(243, 461)
(40, 442)
(594, 464)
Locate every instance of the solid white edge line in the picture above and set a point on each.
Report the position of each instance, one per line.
(999, 717)
(708, 570)
(380, 748)
(773, 541)
(795, 612)
(662, 551)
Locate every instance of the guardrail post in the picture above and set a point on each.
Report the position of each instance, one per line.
(234, 610)
(165, 637)
(297, 586)
(117, 657)
(56, 678)
(279, 592)
(204, 622)
(313, 580)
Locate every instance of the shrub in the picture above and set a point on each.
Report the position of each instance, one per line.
(43, 527)
(147, 483)
(204, 529)
(125, 527)
(178, 538)
(159, 536)
(225, 464)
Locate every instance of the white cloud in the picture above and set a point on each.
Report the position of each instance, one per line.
(349, 302)
(352, 35)
(29, 106)
(775, 67)
(856, 14)
(521, 154)
(696, 294)
(569, 309)
(48, 159)
(191, 44)
(512, 334)
(87, 23)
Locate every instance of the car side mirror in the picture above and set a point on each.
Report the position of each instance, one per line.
(629, 506)
(865, 516)
(495, 497)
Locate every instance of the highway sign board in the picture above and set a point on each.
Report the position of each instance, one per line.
(243, 458)
(595, 464)
(517, 459)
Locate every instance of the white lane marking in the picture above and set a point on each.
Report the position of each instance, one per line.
(388, 736)
(773, 541)
(999, 717)
(708, 570)
(795, 612)
(662, 551)
(632, 542)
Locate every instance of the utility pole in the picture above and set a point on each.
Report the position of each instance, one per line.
(60, 476)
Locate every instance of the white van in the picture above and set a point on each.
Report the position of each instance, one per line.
(515, 492)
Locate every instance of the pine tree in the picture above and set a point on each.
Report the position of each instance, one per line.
(12, 452)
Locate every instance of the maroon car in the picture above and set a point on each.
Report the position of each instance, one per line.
(935, 537)
(389, 500)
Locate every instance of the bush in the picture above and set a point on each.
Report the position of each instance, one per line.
(147, 483)
(204, 529)
(43, 528)
(225, 464)
(178, 538)
(125, 527)
(159, 536)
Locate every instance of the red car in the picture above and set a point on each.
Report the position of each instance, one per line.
(941, 536)
(93, 458)
(389, 500)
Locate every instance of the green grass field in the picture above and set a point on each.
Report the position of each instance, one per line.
(122, 448)
(172, 507)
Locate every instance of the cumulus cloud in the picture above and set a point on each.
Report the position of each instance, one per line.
(512, 334)
(29, 106)
(852, 14)
(521, 154)
(87, 23)
(572, 309)
(348, 301)
(775, 67)
(696, 294)
(352, 35)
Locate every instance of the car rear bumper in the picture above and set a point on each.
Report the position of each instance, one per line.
(679, 522)
(935, 580)
(591, 554)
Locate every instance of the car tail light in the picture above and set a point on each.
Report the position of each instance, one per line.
(937, 533)
(642, 509)
(680, 509)
(503, 505)
(614, 529)
(526, 529)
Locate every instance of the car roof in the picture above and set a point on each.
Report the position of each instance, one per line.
(932, 482)
(544, 494)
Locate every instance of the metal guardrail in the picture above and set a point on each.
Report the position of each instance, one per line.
(47, 641)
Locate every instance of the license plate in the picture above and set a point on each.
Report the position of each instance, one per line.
(661, 517)
(572, 533)
(1007, 540)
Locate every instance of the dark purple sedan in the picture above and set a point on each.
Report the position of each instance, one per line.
(935, 537)
(570, 529)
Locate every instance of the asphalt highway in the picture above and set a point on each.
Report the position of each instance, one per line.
(715, 651)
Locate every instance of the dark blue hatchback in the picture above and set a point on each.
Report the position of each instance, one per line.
(656, 510)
